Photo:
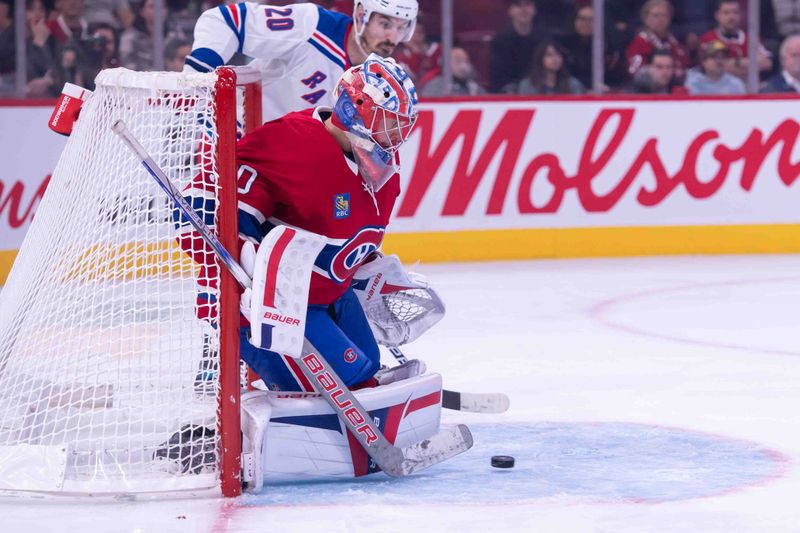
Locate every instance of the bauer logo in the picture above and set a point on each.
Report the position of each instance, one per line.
(341, 205)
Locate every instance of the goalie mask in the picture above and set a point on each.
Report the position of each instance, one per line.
(376, 105)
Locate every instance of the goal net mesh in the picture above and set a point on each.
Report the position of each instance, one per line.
(107, 376)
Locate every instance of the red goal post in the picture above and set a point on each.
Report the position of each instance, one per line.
(104, 321)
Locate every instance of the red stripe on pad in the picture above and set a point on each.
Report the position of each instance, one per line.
(272, 266)
(298, 373)
(393, 417)
(423, 402)
(358, 455)
(388, 287)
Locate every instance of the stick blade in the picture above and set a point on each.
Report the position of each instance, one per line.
(475, 402)
(440, 447)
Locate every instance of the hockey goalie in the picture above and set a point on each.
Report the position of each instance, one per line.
(316, 189)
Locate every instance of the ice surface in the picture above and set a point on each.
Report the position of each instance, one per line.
(647, 394)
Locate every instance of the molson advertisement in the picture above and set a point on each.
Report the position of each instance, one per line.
(516, 178)
(599, 177)
(29, 152)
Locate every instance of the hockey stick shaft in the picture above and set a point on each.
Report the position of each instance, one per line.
(392, 460)
(473, 402)
(175, 195)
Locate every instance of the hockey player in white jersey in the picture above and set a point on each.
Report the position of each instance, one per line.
(300, 49)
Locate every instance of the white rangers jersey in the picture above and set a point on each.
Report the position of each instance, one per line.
(300, 50)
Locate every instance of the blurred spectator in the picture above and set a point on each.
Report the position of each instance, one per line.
(710, 76)
(182, 16)
(692, 19)
(69, 66)
(620, 14)
(418, 57)
(136, 43)
(578, 48)
(70, 23)
(768, 28)
(554, 17)
(511, 50)
(115, 13)
(548, 73)
(175, 51)
(105, 45)
(655, 35)
(659, 77)
(463, 83)
(787, 16)
(578, 45)
(7, 49)
(39, 55)
(728, 14)
(7, 46)
(788, 79)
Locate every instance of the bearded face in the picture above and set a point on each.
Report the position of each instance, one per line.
(382, 34)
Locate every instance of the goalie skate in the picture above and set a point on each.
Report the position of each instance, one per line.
(188, 450)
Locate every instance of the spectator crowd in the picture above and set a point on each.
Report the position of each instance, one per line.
(651, 46)
(72, 40)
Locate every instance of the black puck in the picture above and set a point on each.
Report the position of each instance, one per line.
(502, 461)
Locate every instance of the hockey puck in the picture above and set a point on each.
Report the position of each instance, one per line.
(502, 461)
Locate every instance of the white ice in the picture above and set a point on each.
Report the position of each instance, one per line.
(647, 394)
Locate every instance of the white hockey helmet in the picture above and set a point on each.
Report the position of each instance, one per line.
(401, 9)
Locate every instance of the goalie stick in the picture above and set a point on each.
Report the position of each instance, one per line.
(391, 459)
(473, 402)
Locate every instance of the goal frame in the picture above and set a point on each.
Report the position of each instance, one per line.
(229, 400)
(230, 104)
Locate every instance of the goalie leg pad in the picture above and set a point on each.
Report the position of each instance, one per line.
(306, 440)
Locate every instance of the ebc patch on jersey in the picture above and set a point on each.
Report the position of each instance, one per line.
(339, 263)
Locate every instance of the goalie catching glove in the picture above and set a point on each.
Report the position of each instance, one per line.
(399, 305)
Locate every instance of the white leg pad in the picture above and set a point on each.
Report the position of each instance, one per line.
(304, 438)
(256, 411)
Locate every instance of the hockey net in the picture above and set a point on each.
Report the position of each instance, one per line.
(103, 359)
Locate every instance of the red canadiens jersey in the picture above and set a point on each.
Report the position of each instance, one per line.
(292, 172)
(646, 42)
(737, 44)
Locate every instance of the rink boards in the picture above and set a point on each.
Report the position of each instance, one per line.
(505, 178)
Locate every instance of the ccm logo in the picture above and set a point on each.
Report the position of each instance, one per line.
(336, 390)
(277, 317)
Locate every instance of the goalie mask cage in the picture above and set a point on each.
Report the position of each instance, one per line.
(100, 340)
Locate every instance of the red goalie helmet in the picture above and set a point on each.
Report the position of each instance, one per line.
(376, 104)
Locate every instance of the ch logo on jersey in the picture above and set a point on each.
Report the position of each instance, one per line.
(349, 355)
(341, 205)
(351, 254)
